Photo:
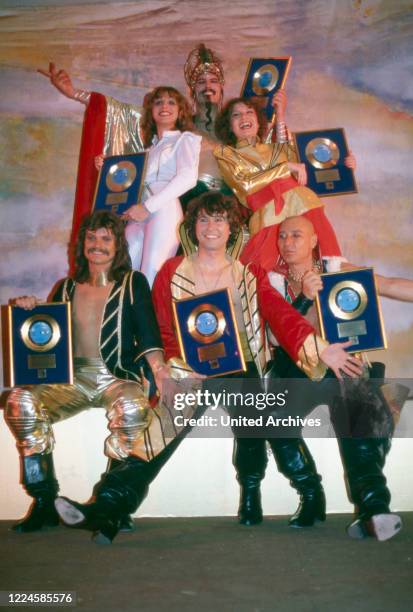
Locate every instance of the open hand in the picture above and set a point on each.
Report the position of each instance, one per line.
(60, 79)
(341, 362)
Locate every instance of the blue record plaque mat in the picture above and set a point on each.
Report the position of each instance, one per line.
(323, 152)
(349, 309)
(208, 334)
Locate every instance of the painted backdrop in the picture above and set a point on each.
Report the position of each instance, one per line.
(350, 68)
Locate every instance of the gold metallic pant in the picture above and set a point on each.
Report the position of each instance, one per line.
(31, 411)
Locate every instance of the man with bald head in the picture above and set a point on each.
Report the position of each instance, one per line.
(297, 278)
(301, 263)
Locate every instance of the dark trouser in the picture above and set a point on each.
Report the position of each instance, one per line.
(126, 486)
(357, 412)
(293, 459)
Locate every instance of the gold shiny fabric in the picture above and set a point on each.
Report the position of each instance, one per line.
(31, 411)
(247, 169)
(297, 201)
(167, 422)
(123, 128)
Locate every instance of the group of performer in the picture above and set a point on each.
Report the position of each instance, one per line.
(120, 326)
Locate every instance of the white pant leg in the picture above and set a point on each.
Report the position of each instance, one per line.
(134, 233)
(161, 238)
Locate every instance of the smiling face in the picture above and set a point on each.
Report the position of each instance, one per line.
(212, 231)
(244, 122)
(296, 241)
(165, 111)
(208, 89)
(100, 247)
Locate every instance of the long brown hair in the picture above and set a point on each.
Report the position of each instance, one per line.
(121, 262)
(223, 129)
(184, 121)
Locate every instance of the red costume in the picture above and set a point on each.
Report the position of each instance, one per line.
(261, 304)
(109, 128)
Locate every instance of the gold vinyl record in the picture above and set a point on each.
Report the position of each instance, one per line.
(347, 300)
(206, 323)
(265, 79)
(120, 176)
(40, 332)
(322, 153)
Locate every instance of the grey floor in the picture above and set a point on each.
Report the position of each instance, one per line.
(209, 564)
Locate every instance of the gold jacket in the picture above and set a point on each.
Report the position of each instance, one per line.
(248, 168)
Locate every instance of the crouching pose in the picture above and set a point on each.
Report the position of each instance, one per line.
(212, 223)
(114, 327)
(361, 410)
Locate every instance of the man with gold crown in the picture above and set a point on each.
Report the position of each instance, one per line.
(114, 128)
(111, 127)
(204, 75)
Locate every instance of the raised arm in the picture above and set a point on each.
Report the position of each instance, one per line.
(277, 129)
(391, 287)
(63, 83)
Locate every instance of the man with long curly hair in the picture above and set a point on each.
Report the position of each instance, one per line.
(114, 334)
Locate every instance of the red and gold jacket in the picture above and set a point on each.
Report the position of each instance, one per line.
(262, 306)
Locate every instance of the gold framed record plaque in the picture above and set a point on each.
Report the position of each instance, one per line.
(37, 344)
(120, 183)
(120, 176)
(208, 333)
(348, 308)
(263, 78)
(323, 152)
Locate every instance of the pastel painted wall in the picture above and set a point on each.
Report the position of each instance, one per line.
(351, 68)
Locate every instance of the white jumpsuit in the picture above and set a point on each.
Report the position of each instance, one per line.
(172, 169)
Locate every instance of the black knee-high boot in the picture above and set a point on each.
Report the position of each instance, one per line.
(119, 492)
(39, 480)
(363, 460)
(127, 524)
(296, 463)
(250, 461)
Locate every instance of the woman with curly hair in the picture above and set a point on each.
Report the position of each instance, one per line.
(171, 170)
(267, 180)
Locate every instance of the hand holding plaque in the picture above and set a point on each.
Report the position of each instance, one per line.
(37, 345)
(208, 334)
(349, 309)
(264, 77)
(120, 182)
(323, 152)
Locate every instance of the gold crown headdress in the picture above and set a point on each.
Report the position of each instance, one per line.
(201, 60)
